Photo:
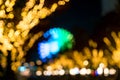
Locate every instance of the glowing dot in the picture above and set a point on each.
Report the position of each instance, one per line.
(2, 13)
(55, 72)
(49, 68)
(83, 71)
(53, 8)
(32, 63)
(38, 73)
(38, 62)
(106, 72)
(85, 62)
(9, 9)
(100, 71)
(61, 2)
(101, 65)
(47, 73)
(74, 71)
(67, 0)
(26, 64)
(11, 15)
(112, 71)
(61, 72)
(88, 71)
(22, 68)
(25, 73)
(1, 1)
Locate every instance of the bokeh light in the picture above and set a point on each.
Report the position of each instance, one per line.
(16, 23)
(56, 39)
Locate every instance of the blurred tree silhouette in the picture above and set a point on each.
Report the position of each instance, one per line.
(17, 18)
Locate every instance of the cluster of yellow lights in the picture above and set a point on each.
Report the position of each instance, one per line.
(91, 56)
(114, 47)
(6, 6)
(83, 59)
(12, 35)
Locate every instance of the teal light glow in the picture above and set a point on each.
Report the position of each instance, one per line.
(58, 39)
(22, 68)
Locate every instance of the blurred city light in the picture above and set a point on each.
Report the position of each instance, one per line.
(83, 71)
(106, 72)
(58, 39)
(38, 73)
(74, 71)
(99, 71)
(112, 71)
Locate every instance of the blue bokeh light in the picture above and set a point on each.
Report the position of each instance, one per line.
(55, 40)
(22, 68)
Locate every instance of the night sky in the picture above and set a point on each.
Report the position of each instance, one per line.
(81, 14)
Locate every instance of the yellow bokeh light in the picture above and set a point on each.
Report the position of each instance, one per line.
(61, 2)
(92, 44)
(15, 26)
(1, 1)
(67, 0)
(2, 13)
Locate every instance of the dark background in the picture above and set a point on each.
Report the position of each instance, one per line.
(81, 14)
